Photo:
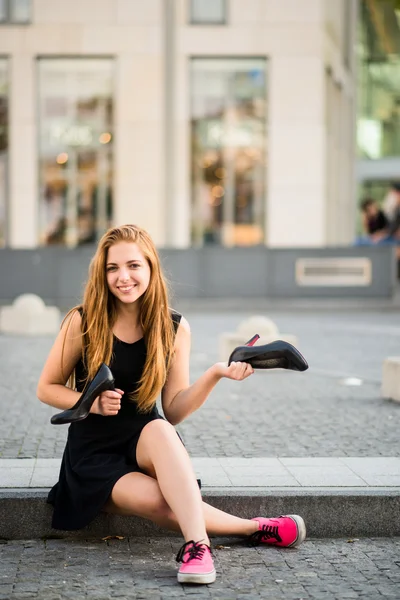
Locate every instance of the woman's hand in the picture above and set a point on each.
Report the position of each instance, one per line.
(108, 403)
(236, 370)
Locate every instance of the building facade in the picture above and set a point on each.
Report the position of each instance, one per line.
(224, 122)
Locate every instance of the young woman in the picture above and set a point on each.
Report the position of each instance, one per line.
(124, 457)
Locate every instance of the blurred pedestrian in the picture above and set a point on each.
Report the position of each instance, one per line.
(373, 218)
(391, 233)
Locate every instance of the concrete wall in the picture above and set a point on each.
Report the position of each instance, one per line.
(58, 275)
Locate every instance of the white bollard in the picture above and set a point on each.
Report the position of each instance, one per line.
(28, 315)
(391, 378)
(266, 329)
(257, 324)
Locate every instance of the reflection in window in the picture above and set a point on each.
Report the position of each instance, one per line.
(75, 149)
(3, 11)
(228, 108)
(207, 12)
(15, 11)
(379, 84)
(3, 146)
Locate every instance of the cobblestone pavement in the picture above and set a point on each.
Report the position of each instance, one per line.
(273, 413)
(146, 569)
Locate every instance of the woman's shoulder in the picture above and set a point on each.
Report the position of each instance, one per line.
(73, 318)
(175, 316)
(70, 335)
(179, 320)
(71, 326)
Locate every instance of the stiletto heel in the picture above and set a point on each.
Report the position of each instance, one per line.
(103, 380)
(276, 355)
(253, 340)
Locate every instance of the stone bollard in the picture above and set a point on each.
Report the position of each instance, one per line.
(266, 329)
(391, 378)
(28, 315)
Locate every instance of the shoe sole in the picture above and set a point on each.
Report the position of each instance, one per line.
(197, 577)
(301, 531)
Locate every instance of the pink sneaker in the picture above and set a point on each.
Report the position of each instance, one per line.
(287, 530)
(197, 563)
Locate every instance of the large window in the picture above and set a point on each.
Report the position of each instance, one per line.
(378, 118)
(15, 11)
(75, 149)
(208, 12)
(3, 147)
(379, 81)
(228, 108)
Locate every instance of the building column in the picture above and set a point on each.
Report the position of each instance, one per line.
(341, 116)
(296, 147)
(23, 163)
(351, 124)
(180, 207)
(139, 136)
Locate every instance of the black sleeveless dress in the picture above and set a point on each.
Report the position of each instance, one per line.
(100, 450)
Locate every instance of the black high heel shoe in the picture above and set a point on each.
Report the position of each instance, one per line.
(103, 380)
(276, 355)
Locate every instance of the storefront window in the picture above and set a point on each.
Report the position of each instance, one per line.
(228, 108)
(75, 149)
(3, 147)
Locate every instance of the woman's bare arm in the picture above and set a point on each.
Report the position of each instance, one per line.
(179, 398)
(51, 387)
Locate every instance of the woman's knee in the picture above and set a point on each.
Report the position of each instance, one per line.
(138, 495)
(157, 431)
(152, 442)
(156, 508)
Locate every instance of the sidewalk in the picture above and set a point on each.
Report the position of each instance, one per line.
(145, 568)
(362, 495)
(311, 443)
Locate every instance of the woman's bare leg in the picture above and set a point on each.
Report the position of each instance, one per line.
(140, 495)
(219, 522)
(160, 451)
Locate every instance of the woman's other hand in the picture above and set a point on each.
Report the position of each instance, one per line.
(236, 370)
(108, 403)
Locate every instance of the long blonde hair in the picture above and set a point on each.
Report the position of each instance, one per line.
(99, 314)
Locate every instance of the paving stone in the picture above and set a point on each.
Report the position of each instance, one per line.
(273, 413)
(312, 571)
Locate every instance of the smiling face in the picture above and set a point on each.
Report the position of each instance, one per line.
(128, 272)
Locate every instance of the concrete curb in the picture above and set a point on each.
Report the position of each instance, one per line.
(328, 512)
